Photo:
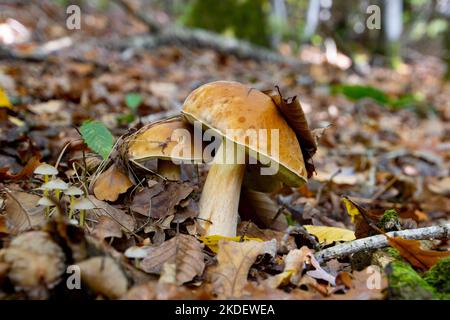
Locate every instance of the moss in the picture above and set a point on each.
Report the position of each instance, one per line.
(407, 284)
(390, 221)
(245, 19)
(439, 278)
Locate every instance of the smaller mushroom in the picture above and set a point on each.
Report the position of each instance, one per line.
(47, 203)
(46, 170)
(72, 191)
(82, 205)
(57, 185)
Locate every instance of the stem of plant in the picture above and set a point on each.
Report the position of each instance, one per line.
(82, 217)
(71, 207)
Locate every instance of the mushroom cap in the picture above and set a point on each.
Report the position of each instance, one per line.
(83, 204)
(55, 184)
(46, 202)
(45, 169)
(226, 105)
(73, 191)
(154, 141)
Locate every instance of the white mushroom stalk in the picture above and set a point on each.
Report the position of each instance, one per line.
(219, 201)
(72, 191)
(82, 205)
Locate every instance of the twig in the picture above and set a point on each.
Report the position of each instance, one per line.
(380, 241)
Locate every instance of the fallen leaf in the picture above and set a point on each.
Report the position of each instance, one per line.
(103, 208)
(328, 235)
(104, 276)
(229, 277)
(106, 228)
(212, 242)
(35, 260)
(249, 229)
(51, 106)
(295, 117)
(360, 217)
(4, 100)
(418, 257)
(260, 208)
(26, 172)
(294, 264)
(143, 199)
(111, 183)
(165, 202)
(182, 250)
(22, 212)
(441, 186)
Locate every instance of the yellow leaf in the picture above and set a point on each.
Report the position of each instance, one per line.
(212, 242)
(352, 209)
(4, 101)
(328, 235)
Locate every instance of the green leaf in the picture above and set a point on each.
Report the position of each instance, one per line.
(133, 100)
(357, 92)
(97, 136)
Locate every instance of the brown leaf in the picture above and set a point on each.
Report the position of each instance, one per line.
(26, 172)
(295, 117)
(106, 228)
(22, 212)
(142, 200)
(418, 257)
(111, 183)
(103, 208)
(164, 203)
(229, 277)
(104, 276)
(260, 208)
(182, 250)
(249, 229)
(35, 260)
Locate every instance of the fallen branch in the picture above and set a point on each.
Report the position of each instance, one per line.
(174, 35)
(380, 241)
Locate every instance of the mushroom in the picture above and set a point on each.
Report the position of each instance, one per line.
(158, 140)
(47, 203)
(45, 170)
(227, 105)
(57, 185)
(72, 191)
(82, 205)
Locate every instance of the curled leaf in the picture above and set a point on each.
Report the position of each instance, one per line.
(111, 183)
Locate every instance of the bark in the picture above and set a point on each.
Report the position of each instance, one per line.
(380, 241)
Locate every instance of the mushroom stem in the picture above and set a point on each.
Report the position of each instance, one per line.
(82, 217)
(220, 199)
(72, 198)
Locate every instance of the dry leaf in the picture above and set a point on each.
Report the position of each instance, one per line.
(212, 242)
(142, 200)
(418, 257)
(229, 277)
(260, 208)
(26, 172)
(182, 250)
(111, 183)
(103, 208)
(294, 264)
(35, 260)
(165, 202)
(328, 235)
(250, 230)
(22, 212)
(104, 276)
(295, 117)
(106, 228)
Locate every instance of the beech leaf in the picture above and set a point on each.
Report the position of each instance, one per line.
(111, 183)
(98, 137)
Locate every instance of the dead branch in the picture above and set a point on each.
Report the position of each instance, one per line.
(380, 241)
(174, 35)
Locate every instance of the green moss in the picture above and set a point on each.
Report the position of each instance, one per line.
(406, 284)
(439, 278)
(245, 19)
(390, 221)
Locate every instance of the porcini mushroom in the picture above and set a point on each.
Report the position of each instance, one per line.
(82, 205)
(158, 140)
(72, 191)
(225, 105)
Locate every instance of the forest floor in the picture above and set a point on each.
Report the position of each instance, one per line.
(381, 153)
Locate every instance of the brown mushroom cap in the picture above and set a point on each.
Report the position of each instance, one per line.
(153, 141)
(226, 105)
